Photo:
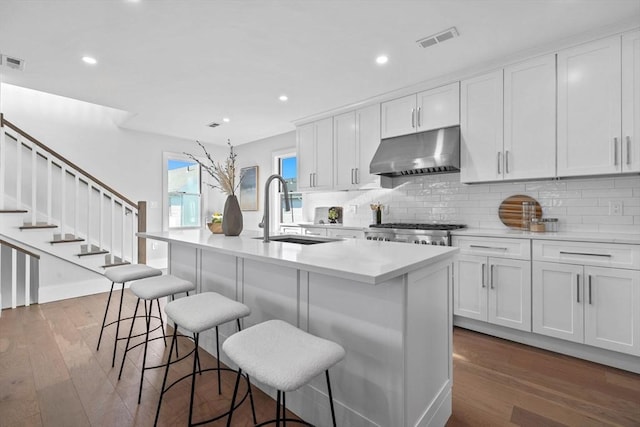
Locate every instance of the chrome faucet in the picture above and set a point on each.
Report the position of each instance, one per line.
(287, 206)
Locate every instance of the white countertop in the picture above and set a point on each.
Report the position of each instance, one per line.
(355, 259)
(630, 238)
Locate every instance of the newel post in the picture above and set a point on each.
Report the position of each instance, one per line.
(142, 227)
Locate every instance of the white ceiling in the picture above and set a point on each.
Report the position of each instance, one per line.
(177, 65)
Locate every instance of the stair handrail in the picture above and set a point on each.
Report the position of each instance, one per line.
(24, 134)
(19, 249)
(138, 209)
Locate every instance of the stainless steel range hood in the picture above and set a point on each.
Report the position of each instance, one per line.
(434, 151)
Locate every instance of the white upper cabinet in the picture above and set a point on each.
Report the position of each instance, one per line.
(589, 108)
(315, 155)
(631, 102)
(530, 119)
(398, 116)
(430, 109)
(356, 137)
(508, 123)
(438, 108)
(481, 128)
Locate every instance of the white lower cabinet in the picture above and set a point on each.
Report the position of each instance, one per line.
(590, 304)
(494, 289)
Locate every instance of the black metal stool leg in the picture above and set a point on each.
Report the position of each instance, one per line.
(218, 359)
(197, 357)
(333, 412)
(104, 319)
(146, 341)
(115, 342)
(278, 410)
(126, 347)
(166, 373)
(233, 399)
(193, 379)
(164, 334)
(284, 409)
(253, 407)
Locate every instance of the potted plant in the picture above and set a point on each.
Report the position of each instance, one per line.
(224, 179)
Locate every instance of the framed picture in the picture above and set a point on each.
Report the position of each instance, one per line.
(249, 188)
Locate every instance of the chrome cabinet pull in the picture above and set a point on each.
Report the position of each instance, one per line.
(487, 247)
(615, 151)
(578, 288)
(483, 267)
(491, 280)
(357, 175)
(413, 117)
(419, 114)
(352, 176)
(628, 150)
(585, 253)
(499, 163)
(506, 161)
(589, 289)
(310, 180)
(315, 179)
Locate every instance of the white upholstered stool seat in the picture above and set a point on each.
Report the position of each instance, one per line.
(158, 287)
(282, 356)
(204, 311)
(122, 274)
(196, 314)
(129, 272)
(152, 289)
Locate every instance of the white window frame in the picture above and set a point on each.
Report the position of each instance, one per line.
(166, 156)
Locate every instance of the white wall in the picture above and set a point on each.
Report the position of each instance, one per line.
(261, 153)
(88, 135)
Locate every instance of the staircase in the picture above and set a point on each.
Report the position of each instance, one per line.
(52, 209)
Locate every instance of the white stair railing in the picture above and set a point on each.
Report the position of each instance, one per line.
(88, 220)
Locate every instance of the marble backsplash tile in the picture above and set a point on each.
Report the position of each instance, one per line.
(579, 204)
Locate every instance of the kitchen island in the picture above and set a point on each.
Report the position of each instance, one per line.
(388, 304)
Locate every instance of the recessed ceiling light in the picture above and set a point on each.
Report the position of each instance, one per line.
(89, 60)
(226, 119)
(382, 59)
(283, 98)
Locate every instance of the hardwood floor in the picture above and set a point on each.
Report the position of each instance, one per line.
(51, 375)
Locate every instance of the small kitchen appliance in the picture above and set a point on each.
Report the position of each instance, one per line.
(418, 233)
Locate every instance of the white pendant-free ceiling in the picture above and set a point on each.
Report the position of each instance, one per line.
(178, 65)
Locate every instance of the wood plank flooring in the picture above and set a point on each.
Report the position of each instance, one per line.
(51, 375)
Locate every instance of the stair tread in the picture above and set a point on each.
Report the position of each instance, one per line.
(95, 252)
(53, 242)
(37, 226)
(115, 264)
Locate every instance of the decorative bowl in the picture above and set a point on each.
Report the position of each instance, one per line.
(215, 227)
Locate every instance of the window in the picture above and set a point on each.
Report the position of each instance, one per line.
(183, 190)
(287, 167)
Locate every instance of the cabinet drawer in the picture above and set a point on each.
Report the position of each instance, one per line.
(494, 247)
(345, 234)
(314, 231)
(585, 253)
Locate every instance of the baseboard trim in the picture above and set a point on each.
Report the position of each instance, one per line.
(614, 359)
(73, 290)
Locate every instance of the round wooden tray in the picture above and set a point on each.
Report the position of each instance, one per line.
(510, 211)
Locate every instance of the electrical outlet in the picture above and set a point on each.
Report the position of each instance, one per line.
(615, 207)
(154, 246)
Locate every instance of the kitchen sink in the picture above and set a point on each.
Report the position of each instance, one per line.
(301, 240)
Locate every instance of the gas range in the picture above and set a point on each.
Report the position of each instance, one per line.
(418, 233)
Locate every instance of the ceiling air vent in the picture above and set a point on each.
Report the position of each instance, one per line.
(213, 125)
(11, 62)
(438, 38)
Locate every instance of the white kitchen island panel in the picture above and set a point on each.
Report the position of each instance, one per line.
(394, 320)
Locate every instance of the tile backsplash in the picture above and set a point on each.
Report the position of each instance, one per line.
(579, 204)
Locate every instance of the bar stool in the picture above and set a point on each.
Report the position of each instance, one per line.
(195, 314)
(122, 274)
(283, 357)
(152, 289)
